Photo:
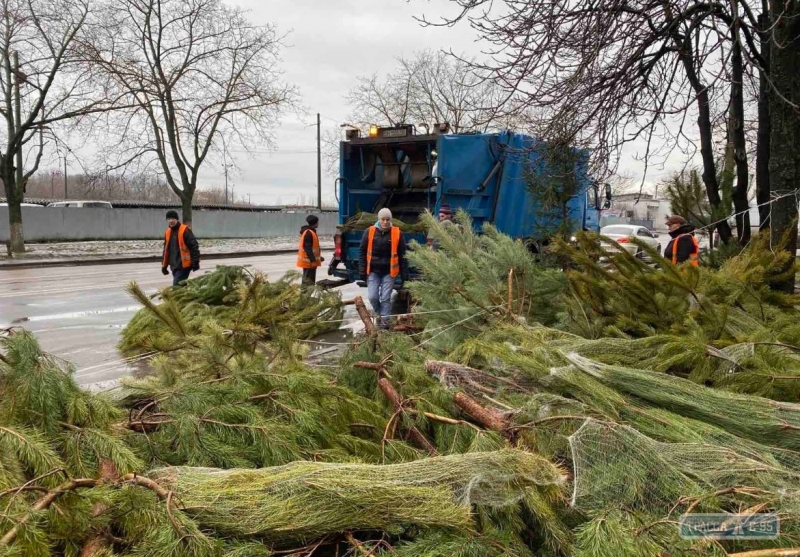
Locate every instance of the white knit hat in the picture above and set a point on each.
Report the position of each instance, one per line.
(384, 214)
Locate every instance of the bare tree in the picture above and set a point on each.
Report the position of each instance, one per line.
(622, 183)
(101, 185)
(200, 75)
(430, 87)
(627, 71)
(43, 81)
(763, 187)
(784, 107)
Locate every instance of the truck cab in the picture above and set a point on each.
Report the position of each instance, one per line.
(491, 176)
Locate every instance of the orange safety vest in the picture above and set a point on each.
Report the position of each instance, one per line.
(394, 261)
(186, 256)
(694, 257)
(302, 257)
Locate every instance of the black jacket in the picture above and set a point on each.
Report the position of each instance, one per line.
(174, 251)
(308, 242)
(381, 253)
(685, 245)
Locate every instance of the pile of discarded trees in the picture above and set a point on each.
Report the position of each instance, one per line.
(524, 411)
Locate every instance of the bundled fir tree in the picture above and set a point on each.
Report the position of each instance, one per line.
(643, 447)
(74, 481)
(473, 280)
(233, 298)
(613, 293)
(515, 422)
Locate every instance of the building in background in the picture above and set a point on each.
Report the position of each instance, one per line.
(643, 209)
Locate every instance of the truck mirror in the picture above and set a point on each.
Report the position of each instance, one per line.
(607, 202)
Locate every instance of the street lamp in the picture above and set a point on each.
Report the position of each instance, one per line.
(66, 176)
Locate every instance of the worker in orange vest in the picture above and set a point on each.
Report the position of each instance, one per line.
(308, 253)
(382, 262)
(181, 250)
(683, 246)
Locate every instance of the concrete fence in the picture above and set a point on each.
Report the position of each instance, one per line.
(610, 220)
(71, 224)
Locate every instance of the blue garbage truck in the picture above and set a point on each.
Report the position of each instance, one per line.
(488, 175)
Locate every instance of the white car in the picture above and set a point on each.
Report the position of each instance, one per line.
(101, 204)
(622, 234)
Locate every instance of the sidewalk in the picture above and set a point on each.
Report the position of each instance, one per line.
(137, 251)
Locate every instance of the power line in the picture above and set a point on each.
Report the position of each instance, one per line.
(334, 120)
(770, 202)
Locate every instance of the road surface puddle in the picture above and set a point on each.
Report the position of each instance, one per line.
(76, 314)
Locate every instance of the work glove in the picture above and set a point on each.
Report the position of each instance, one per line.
(195, 266)
(164, 271)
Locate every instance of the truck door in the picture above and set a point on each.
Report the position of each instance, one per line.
(465, 174)
(592, 210)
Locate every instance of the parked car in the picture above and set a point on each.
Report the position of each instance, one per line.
(622, 234)
(101, 204)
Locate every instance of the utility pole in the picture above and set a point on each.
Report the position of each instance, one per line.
(319, 164)
(66, 184)
(225, 169)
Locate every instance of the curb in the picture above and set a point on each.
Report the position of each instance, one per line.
(33, 264)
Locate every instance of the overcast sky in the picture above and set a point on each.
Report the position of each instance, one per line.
(328, 45)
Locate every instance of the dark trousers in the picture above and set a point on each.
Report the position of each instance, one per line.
(179, 275)
(309, 276)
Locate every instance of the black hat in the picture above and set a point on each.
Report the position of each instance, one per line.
(312, 219)
(172, 214)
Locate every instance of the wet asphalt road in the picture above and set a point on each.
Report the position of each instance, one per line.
(77, 313)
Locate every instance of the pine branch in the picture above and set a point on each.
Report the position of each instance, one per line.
(768, 553)
(487, 418)
(107, 473)
(451, 421)
(44, 502)
(416, 435)
(165, 312)
(30, 484)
